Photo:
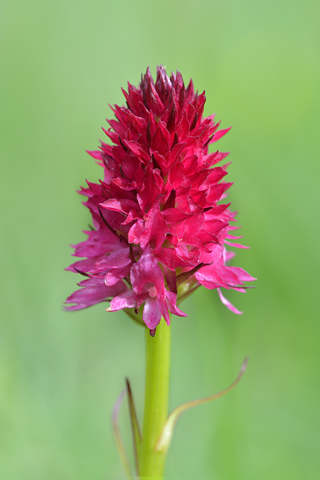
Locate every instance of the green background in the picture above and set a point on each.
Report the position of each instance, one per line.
(62, 62)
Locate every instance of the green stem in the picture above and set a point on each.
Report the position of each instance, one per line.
(156, 400)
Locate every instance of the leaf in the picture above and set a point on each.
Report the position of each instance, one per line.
(117, 434)
(135, 428)
(167, 431)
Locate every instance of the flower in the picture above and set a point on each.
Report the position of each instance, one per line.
(159, 230)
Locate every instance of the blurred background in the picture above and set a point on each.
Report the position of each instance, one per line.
(62, 62)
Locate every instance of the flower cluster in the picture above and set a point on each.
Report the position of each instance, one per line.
(159, 230)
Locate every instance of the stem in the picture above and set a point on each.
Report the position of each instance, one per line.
(156, 400)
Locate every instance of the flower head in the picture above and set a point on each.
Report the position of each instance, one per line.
(159, 229)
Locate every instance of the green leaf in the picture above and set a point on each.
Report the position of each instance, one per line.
(167, 432)
(135, 428)
(117, 434)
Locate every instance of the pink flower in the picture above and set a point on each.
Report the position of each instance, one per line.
(159, 229)
(148, 287)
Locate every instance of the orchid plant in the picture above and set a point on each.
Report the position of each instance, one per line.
(159, 232)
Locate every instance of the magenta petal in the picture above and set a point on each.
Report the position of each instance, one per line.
(96, 154)
(124, 300)
(228, 304)
(163, 308)
(242, 275)
(238, 245)
(172, 216)
(119, 258)
(210, 277)
(137, 150)
(99, 242)
(151, 313)
(136, 231)
(123, 205)
(220, 134)
(93, 291)
(229, 256)
(146, 275)
(83, 265)
(171, 299)
(116, 274)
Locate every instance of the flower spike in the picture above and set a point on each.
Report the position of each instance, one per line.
(159, 227)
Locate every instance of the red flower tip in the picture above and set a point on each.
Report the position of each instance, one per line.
(156, 213)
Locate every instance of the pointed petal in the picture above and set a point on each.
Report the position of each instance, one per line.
(228, 304)
(94, 291)
(171, 299)
(220, 134)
